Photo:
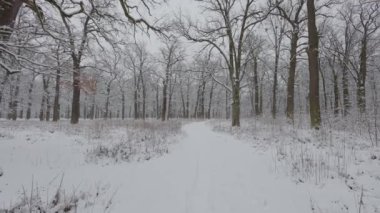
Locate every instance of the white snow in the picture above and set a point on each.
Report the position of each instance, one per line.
(205, 172)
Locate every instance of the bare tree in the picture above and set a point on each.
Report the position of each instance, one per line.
(277, 26)
(8, 14)
(294, 14)
(61, 61)
(313, 52)
(367, 24)
(138, 63)
(232, 21)
(111, 72)
(171, 54)
(345, 52)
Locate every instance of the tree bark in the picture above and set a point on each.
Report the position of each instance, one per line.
(256, 82)
(56, 107)
(8, 13)
(48, 105)
(188, 99)
(314, 106)
(346, 95)
(183, 102)
(324, 91)
(14, 99)
(202, 97)
(157, 102)
(261, 99)
(106, 113)
(336, 94)
(164, 97)
(75, 104)
(236, 104)
(122, 105)
(274, 91)
(291, 77)
(361, 100)
(30, 99)
(196, 113)
(141, 78)
(210, 100)
(135, 97)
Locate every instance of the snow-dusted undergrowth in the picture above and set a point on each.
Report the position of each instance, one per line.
(34, 154)
(330, 154)
(137, 140)
(60, 201)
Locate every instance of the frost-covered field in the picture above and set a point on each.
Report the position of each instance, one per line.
(58, 167)
(345, 164)
(177, 166)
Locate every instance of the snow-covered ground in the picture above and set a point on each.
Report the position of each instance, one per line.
(199, 171)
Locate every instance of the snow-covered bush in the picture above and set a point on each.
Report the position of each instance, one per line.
(141, 140)
(303, 153)
(60, 202)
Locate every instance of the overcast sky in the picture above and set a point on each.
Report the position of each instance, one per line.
(169, 10)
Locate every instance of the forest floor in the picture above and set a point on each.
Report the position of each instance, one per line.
(196, 170)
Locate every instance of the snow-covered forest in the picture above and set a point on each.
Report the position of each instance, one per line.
(189, 106)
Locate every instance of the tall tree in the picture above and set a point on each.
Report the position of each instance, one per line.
(277, 26)
(313, 56)
(231, 21)
(368, 22)
(293, 13)
(171, 54)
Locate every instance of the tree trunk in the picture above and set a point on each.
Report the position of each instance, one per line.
(92, 111)
(164, 98)
(135, 107)
(197, 101)
(85, 115)
(169, 104)
(143, 94)
(144, 101)
(106, 113)
(48, 106)
(291, 76)
(346, 95)
(256, 82)
(236, 104)
(335, 85)
(274, 91)
(122, 105)
(315, 112)
(9, 11)
(14, 99)
(183, 102)
(261, 99)
(210, 100)
(361, 100)
(42, 108)
(336, 95)
(202, 100)
(30, 99)
(75, 104)
(157, 102)
(188, 99)
(324, 91)
(21, 114)
(56, 107)
(46, 81)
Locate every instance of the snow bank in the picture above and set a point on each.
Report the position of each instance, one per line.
(35, 155)
(324, 158)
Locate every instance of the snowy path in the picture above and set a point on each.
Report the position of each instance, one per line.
(209, 172)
